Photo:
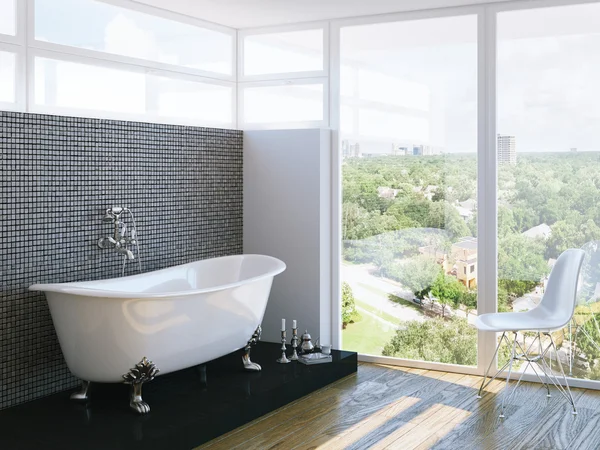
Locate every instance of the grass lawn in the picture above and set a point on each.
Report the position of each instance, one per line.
(391, 297)
(377, 312)
(367, 336)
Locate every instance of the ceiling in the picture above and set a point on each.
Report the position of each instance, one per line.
(258, 13)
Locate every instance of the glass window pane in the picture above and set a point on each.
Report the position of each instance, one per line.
(107, 28)
(409, 199)
(549, 165)
(283, 104)
(294, 51)
(66, 84)
(8, 17)
(7, 77)
(201, 103)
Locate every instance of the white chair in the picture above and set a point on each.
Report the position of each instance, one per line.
(554, 312)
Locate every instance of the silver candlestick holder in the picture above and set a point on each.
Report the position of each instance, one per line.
(294, 356)
(283, 359)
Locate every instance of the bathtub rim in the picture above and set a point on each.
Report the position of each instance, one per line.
(72, 289)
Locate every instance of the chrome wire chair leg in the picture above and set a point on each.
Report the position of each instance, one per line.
(249, 365)
(510, 364)
(492, 362)
(571, 343)
(83, 393)
(546, 377)
(525, 356)
(564, 390)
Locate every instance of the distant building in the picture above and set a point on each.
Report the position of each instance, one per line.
(464, 252)
(387, 192)
(465, 213)
(573, 149)
(436, 253)
(350, 149)
(399, 150)
(507, 152)
(417, 150)
(542, 231)
(466, 209)
(470, 204)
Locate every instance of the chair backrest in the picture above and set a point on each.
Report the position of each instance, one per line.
(561, 290)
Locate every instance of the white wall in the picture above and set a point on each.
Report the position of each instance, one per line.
(287, 214)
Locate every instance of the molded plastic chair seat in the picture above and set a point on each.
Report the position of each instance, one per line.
(537, 319)
(554, 312)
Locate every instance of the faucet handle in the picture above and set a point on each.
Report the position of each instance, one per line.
(107, 242)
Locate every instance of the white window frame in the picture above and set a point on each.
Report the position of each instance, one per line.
(17, 44)
(324, 123)
(42, 45)
(483, 289)
(242, 34)
(26, 48)
(486, 168)
(148, 116)
(19, 103)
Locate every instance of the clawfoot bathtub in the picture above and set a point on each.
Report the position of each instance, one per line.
(128, 330)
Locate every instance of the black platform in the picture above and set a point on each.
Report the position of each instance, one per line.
(184, 413)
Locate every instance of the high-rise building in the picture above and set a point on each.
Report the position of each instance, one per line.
(507, 152)
(350, 149)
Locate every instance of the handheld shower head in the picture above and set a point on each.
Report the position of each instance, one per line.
(113, 213)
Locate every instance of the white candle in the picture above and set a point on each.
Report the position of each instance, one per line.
(294, 324)
(282, 324)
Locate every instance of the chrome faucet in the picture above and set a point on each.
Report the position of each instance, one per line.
(120, 241)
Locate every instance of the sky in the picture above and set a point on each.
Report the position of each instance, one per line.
(548, 67)
(402, 82)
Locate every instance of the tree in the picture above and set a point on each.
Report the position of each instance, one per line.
(448, 291)
(417, 274)
(349, 312)
(437, 340)
(521, 263)
(468, 299)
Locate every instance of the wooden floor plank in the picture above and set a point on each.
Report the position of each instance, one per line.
(389, 407)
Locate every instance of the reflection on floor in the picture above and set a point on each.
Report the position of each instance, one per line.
(385, 407)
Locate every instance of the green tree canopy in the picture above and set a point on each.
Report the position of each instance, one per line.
(349, 312)
(417, 274)
(436, 340)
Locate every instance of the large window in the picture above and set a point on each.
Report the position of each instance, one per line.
(131, 62)
(285, 52)
(409, 215)
(103, 27)
(8, 18)
(64, 84)
(283, 105)
(76, 88)
(283, 78)
(7, 77)
(548, 69)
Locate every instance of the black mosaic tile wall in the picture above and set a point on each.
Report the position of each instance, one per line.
(59, 175)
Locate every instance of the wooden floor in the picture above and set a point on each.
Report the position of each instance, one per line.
(385, 407)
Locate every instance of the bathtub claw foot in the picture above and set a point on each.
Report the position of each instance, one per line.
(249, 365)
(83, 394)
(137, 403)
(143, 372)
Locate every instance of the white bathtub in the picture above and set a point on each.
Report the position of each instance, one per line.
(177, 317)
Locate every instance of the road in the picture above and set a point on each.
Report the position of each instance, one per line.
(374, 291)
